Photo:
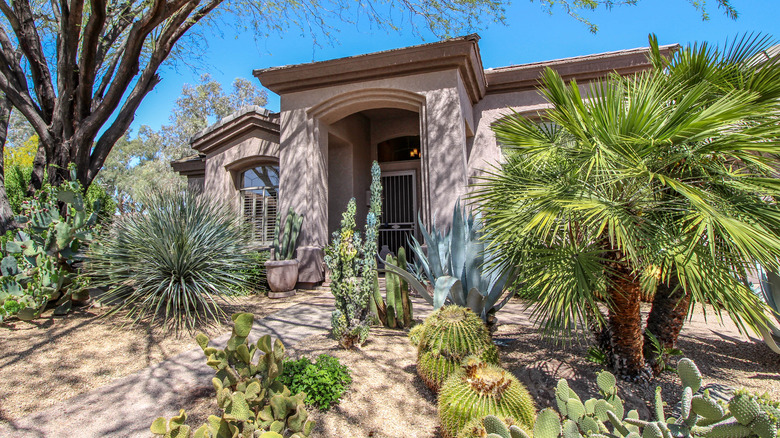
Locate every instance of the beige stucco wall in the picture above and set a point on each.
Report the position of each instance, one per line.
(219, 183)
(304, 146)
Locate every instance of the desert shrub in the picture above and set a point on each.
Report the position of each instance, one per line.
(324, 381)
(176, 261)
(255, 273)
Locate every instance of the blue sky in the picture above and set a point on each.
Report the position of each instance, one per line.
(530, 35)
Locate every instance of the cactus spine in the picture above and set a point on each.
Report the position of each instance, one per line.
(450, 335)
(396, 312)
(480, 389)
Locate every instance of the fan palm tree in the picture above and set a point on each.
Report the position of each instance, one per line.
(662, 181)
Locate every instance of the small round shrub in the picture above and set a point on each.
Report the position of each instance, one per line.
(175, 261)
(479, 389)
(451, 334)
(324, 381)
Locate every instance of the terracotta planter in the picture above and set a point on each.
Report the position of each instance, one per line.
(282, 276)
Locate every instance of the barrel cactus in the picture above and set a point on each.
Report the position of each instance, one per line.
(415, 333)
(491, 426)
(479, 389)
(451, 334)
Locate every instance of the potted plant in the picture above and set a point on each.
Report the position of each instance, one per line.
(282, 268)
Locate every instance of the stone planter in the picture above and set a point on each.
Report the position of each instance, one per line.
(282, 276)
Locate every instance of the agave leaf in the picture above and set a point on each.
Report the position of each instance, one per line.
(411, 280)
(475, 301)
(446, 286)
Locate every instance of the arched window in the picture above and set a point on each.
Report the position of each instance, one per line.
(399, 149)
(259, 192)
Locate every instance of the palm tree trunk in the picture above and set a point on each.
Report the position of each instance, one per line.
(666, 319)
(625, 322)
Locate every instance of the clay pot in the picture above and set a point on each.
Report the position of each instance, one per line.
(282, 276)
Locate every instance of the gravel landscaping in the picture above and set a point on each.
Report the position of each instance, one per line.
(51, 359)
(387, 399)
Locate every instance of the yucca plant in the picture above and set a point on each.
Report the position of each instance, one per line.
(660, 181)
(176, 261)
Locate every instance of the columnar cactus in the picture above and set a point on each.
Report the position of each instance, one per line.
(285, 238)
(451, 334)
(351, 261)
(253, 401)
(744, 416)
(396, 311)
(479, 389)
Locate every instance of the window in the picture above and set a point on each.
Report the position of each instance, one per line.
(399, 149)
(259, 192)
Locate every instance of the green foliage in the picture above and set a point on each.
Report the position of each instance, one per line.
(174, 261)
(323, 381)
(351, 261)
(450, 334)
(491, 426)
(743, 416)
(479, 389)
(397, 311)
(663, 353)
(256, 273)
(253, 400)
(38, 260)
(455, 263)
(285, 238)
(667, 172)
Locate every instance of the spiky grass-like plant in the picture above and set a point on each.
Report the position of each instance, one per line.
(479, 389)
(451, 334)
(174, 262)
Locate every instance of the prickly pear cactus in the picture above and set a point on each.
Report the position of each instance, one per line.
(351, 260)
(744, 416)
(253, 401)
(492, 427)
(37, 261)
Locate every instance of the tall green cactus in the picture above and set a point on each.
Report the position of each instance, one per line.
(253, 401)
(396, 311)
(351, 260)
(286, 238)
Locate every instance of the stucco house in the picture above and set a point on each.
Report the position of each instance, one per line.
(423, 112)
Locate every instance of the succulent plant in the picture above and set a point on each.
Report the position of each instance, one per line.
(743, 416)
(285, 238)
(415, 334)
(451, 334)
(457, 265)
(253, 401)
(351, 260)
(396, 311)
(491, 426)
(479, 389)
(37, 263)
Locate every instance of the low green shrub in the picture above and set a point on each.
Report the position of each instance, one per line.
(256, 277)
(324, 381)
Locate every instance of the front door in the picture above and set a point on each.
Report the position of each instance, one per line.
(399, 210)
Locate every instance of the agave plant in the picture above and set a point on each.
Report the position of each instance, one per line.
(175, 261)
(455, 266)
(770, 289)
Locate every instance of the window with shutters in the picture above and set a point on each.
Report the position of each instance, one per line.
(259, 191)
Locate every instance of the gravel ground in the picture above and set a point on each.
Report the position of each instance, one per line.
(52, 359)
(387, 399)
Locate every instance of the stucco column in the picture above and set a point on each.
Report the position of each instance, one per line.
(303, 185)
(444, 156)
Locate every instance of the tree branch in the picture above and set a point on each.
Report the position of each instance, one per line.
(88, 62)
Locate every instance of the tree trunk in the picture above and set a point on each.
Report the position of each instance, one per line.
(7, 221)
(666, 319)
(38, 175)
(625, 322)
